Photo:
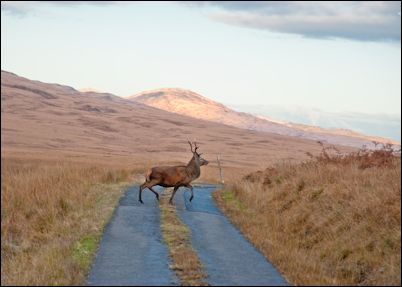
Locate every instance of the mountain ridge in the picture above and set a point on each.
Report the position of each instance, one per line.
(183, 101)
(42, 120)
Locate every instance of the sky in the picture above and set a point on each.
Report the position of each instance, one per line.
(335, 56)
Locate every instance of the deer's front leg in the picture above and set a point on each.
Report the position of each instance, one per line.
(191, 189)
(174, 191)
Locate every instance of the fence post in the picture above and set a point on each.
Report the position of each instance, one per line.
(220, 169)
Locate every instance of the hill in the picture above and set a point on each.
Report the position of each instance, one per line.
(55, 121)
(189, 103)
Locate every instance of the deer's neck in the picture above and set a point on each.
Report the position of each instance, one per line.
(193, 169)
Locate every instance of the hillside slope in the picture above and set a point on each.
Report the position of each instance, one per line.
(51, 120)
(327, 221)
(189, 103)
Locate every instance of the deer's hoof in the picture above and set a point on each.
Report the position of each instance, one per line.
(140, 200)
(157, 197)
(191, 198)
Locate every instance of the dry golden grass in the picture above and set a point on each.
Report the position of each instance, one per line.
(52, 216)
(326, 221)
(186, 263)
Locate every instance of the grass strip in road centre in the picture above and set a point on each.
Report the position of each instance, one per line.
(185, 261)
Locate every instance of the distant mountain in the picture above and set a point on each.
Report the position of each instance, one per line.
(55, 121)
(383, 125)
(89, 89)
(189, 103)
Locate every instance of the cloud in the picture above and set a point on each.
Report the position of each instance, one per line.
(16, 8)
(23, 8)
(356, 20)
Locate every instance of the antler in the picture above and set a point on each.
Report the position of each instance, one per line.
(191, 146)
(196, 147)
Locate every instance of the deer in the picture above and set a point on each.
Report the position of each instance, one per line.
(174, 176)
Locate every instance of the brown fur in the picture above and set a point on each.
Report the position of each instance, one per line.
(174, 176)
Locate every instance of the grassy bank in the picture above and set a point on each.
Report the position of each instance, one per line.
(52, 217)
(332, 220)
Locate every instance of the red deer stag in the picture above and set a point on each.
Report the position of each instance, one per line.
(174, 176)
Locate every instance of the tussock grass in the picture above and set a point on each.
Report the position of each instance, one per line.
(185, 261)
(52, 216)
(333, 220)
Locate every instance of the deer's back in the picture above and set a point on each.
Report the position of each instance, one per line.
(168, 176)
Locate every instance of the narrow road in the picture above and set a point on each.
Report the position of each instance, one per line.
(132, 251)
(229, 259)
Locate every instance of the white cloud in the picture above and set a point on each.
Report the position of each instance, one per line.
(23, 8)
(357, 20)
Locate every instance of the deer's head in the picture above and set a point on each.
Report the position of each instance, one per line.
(197, 156)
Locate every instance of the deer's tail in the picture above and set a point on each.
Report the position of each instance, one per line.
(148, 176)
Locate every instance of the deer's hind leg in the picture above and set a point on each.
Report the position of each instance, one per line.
(149, 185)
(140, 192)
(156, 194)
